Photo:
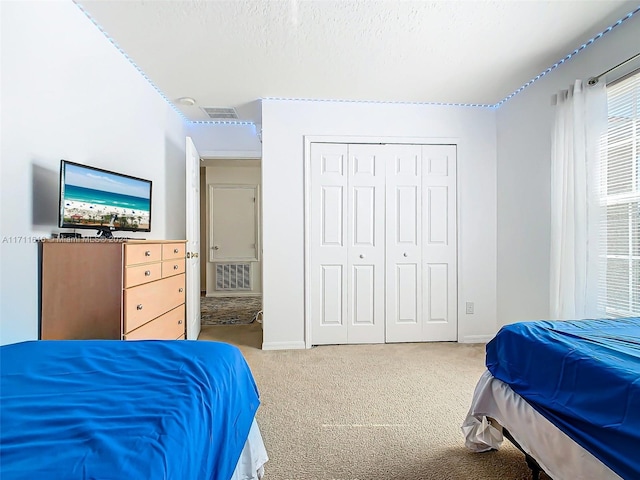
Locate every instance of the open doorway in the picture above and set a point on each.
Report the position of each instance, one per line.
(231, 266)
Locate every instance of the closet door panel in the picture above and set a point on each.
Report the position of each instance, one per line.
(366, 241)
(440, 315)
(403, 243)
(328, 244)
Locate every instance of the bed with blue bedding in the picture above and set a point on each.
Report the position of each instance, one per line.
(103, 409)
(569, 394)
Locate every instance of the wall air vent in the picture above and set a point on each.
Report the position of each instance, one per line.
(220, 113)
(233, 276)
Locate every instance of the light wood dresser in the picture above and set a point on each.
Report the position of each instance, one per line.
(112, 289)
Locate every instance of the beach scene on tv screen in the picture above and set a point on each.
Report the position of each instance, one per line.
(100, 199)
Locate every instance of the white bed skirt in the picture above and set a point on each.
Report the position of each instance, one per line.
(557, 454)
(250, 465)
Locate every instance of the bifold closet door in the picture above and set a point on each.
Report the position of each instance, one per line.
(421, 284)
(347, 244)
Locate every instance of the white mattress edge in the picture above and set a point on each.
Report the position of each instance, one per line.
(557, 454)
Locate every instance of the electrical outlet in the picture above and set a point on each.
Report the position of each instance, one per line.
(469, 308)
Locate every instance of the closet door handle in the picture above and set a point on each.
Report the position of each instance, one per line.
(405, 254)
(361, 256)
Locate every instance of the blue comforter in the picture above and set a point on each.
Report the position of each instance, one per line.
(117, 410)
(584, 377)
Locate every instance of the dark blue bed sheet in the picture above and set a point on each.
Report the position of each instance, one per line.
(117, 410)
(584, 377)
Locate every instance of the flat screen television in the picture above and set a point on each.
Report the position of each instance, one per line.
(106, 201)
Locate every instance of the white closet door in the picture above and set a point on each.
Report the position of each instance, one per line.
(383, 248)
(328, 243)
(403, 242)
(366, 250)
(440, 278)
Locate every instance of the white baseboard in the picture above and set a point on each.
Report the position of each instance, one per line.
(476, 338)
(283, 346)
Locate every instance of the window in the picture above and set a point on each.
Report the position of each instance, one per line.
(620, 292)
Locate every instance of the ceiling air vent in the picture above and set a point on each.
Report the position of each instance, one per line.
(221, 113)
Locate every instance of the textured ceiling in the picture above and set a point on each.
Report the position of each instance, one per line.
(233, 53)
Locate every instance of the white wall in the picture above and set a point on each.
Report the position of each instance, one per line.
(229, 172)
(225, 140)
(285, 123)
(524, 125)
(67, 93)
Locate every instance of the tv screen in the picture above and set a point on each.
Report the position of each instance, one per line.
(99, 199)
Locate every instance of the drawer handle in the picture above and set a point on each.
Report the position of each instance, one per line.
(179, 322)
(175, 250)
(175, 267)
(139, 306)
(181, 290)
(147, 253)
(147, 273)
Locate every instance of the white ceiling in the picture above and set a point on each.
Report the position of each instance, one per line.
(233, 53)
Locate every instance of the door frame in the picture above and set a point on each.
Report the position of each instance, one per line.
(372, 140)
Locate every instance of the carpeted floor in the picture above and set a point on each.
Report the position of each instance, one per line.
(369, 412)
(229, 310)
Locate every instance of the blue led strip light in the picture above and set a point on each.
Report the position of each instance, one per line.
(144, 75)
(572, 54)
(222, 122)
(481, 105)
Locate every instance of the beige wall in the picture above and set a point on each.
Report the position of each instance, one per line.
(228, 172)
(203, 229)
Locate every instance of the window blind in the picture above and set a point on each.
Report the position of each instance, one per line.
(620, 194)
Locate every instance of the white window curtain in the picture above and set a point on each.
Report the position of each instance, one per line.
(580, 127)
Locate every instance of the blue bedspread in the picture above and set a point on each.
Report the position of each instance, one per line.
(584, 377)
(117, 410)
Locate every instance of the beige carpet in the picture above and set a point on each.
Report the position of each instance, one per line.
(368, 412)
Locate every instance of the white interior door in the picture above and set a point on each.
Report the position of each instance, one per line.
(440, 285)
(234, 220)
(403, 243)
(192, 165)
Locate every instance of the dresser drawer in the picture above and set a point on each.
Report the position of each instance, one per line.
(148, 301)
(169, 326)
(172, 267)
(173, 250)
(142, 253)
(142, 274)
